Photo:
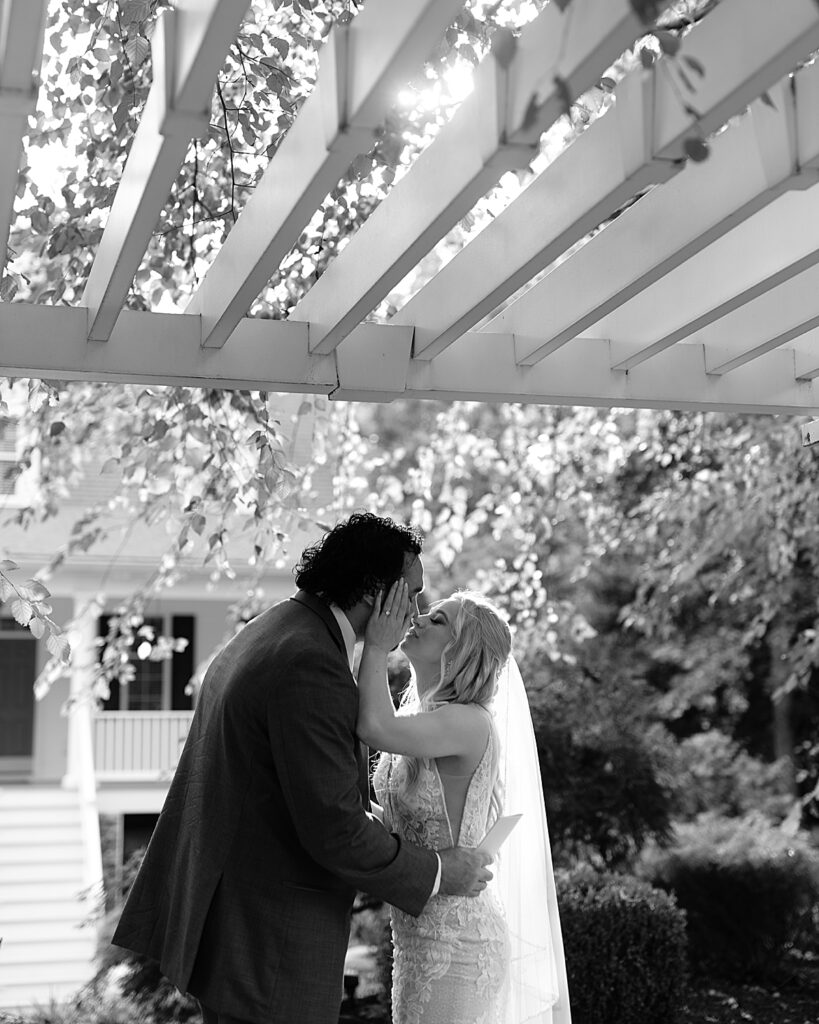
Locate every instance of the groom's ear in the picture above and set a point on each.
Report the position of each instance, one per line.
(369, 600)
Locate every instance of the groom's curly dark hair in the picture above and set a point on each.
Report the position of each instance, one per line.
(357, 557)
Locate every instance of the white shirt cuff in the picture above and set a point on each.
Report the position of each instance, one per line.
(437, 885)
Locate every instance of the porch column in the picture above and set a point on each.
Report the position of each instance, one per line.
(80, 775)
(79, 712)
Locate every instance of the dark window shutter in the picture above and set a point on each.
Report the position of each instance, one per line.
(182, 662)
(111, 703)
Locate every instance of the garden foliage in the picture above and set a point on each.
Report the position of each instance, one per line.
(625, 949)
(750, 892)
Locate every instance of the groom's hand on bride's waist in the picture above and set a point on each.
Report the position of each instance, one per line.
(464, 871)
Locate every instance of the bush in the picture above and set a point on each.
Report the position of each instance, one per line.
(86, 1007)
(714, 774)
(138, 978)
(603, 792)
(625, 949)
(748, 890)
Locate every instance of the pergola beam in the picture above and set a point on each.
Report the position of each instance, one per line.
(496, 129)
(596, 279)
(158, 348)
(482, 367)
(189, 47)
(22, 25)
(797, 105)
(361, 68)
(374, 364)
(600, 171)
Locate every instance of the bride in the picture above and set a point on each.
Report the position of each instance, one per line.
(463, 736)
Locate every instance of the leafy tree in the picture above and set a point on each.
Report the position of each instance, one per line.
(667, 556)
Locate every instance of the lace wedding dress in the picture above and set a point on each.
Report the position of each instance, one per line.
(450, 963)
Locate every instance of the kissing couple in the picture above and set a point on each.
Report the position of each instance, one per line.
(245, 893)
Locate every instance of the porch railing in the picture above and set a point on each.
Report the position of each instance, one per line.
(138, 745)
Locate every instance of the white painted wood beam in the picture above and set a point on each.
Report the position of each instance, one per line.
(600, 171)
(361, 68)
(728, 365)
(798, 111)
(159, 348)
(374, 365)
(716, 313)
(598, 279)
(189, 48)
(482, 367)
(497, 128)
(22, 24)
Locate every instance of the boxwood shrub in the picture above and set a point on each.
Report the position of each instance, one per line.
(748, 890)
(625, 949)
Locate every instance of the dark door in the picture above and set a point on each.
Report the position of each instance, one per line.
(17, 671)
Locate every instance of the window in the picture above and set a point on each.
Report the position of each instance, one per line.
(157, 685)
(9, 467)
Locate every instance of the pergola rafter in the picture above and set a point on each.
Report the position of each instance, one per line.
(189, 48)
(658, 282)
(361, 68)
(496, 129)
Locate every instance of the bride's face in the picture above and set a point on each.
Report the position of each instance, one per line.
(426, 639)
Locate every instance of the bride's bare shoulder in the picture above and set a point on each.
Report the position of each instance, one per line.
(469, 720)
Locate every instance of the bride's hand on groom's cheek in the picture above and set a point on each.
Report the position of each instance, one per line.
(389, 618)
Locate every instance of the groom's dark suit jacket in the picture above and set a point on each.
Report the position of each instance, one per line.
(245, 891)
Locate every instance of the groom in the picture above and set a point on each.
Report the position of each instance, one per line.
(245, 892)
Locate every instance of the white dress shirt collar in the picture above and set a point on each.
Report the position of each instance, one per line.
(347, 633)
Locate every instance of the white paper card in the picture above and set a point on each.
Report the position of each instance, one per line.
(498, 834)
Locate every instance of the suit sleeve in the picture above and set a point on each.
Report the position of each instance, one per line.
(311, 722)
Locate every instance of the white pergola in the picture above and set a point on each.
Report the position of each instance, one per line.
(703, 293)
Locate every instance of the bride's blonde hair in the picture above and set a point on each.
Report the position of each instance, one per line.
(470, 666)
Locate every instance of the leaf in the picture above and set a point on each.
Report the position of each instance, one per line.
(22, 611)
(37, 627)
(696, 149)
(8, 288)
(669, 42)
(137, 49)
(503, 47)
(122, 112)
(34, 590)
(56, 428)
(59, 646)
(647, 56)
(8, 566)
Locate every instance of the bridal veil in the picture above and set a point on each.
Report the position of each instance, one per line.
(524, 878)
